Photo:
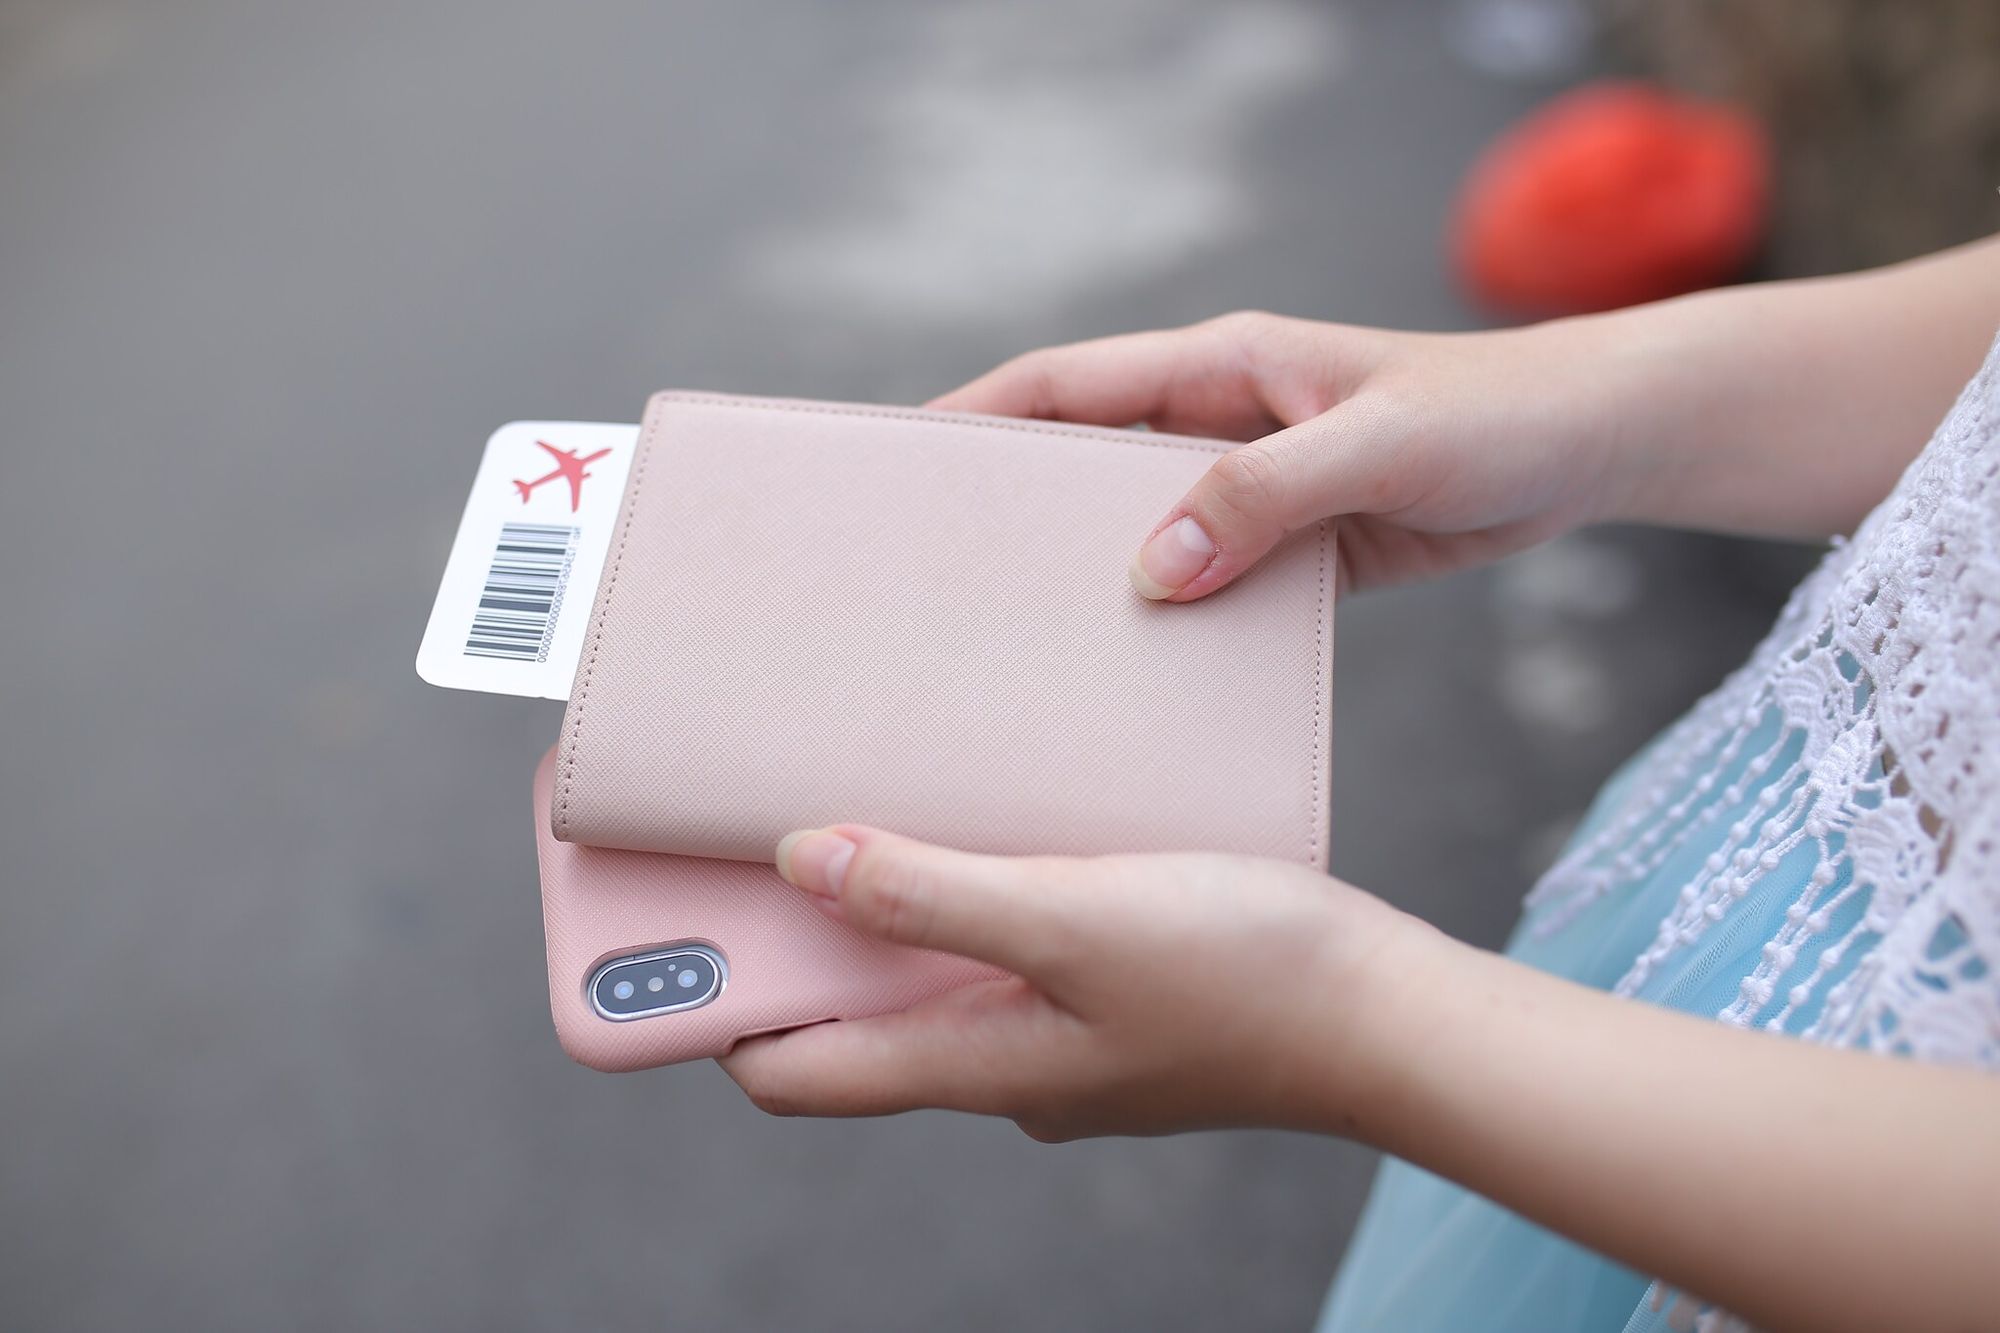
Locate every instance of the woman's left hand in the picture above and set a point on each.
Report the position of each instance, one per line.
(1150, 993)
(1157, 993)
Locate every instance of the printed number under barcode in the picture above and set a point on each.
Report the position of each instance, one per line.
(523, 592)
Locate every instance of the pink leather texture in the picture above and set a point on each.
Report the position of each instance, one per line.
(824, 612)
(788, 964)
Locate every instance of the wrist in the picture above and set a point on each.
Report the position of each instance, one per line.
(1376, 1024)
(1627, 405)
(1684, 368)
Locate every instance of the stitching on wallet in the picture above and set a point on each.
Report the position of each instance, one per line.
(1314, 833)
(1319, 815)
(603, 613)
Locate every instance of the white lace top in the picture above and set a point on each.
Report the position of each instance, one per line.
(1882, 676)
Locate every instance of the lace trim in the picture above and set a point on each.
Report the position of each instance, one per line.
(1864, 734)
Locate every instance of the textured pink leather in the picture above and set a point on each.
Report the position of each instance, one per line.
(820, 612)
(788, 964)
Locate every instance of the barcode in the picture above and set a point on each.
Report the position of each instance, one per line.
(523, 592)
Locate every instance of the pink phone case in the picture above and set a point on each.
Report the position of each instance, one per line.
(823, 612)
(786, 963)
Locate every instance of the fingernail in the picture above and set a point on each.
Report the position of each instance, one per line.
(1169, 562)
(815, 860)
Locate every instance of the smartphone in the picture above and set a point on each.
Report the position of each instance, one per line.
(657, 959)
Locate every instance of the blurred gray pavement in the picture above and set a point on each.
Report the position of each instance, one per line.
(274, 1046)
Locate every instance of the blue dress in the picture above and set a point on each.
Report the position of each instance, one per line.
(1429, 1256)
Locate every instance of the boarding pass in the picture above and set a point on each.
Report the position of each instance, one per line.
(514, 603)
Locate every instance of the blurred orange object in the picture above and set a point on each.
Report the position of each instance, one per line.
(1610, 195)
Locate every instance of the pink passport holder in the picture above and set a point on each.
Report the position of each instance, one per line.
(822, 612)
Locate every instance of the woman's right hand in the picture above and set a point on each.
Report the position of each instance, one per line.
(1434, 451)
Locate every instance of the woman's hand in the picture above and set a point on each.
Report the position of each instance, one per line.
(1151, 993)
(1435, 451)
(1157, 993)
(1782, 409)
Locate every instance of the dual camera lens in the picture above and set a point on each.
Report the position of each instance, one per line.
(656, 983)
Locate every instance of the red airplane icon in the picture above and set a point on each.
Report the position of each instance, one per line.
(569, 467)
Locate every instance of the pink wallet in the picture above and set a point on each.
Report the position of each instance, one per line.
(821, 612)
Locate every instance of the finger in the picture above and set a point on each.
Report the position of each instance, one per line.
(1171, 379)
(1018, 913)
(1254, 495)
(959, 1051)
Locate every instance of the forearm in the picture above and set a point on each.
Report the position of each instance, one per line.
(1787, 409)
(1798, 1186)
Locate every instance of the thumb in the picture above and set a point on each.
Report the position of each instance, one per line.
(1014, 912)
(1243, 506)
